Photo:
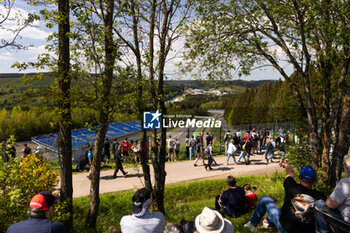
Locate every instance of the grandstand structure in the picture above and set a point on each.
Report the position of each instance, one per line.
(82, 138)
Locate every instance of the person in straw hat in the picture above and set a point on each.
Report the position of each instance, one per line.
(213, 222)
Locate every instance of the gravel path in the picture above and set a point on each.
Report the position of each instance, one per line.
(177, 172)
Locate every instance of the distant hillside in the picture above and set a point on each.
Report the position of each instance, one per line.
(12, 87)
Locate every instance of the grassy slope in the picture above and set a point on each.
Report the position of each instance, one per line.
(181, 201)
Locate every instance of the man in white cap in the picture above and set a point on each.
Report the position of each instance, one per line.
(212, 221)
(142, 220)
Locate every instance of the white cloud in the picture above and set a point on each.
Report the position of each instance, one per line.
(15, 21)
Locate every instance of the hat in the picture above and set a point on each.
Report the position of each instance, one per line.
(43, 200)
(307, 173)
(139, 198)
(210, 221)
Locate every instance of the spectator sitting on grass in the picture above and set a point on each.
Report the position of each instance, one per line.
(212, 221)
(232, 201)
(142, 220)
(296, 214)
(42, 207)
(338, 203)
(250, 196)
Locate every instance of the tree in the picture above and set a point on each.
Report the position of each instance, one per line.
(64, 103)
(14, 23)
(303, 34)
(157, 24)
(96, 49)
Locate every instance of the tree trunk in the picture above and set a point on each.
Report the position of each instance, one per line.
(107, 78)
(64, 83)
(343, 136)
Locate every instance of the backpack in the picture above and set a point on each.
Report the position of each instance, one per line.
(227, 137)
(256, 137)
(303, 208)
(269, 146)
(207, 150)
(192, 142)
(27, 150)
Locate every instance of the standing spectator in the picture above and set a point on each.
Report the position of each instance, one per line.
(115, 146)
(239, 134)
(157, 148)
(90, 158)
(126, 148)
(106, 151)
(281, 132)
(208, 138)
(187, 142)
(5, 155)
(118, 163)
(137, 151)
(11, 150)
(209, 152)
(232, 150)
(337, 205)
(39, 153)
(142, 220)
(250, 196)
(41, 208)
(296, 214)
(171, 144)
(261, 140)
(199, 137)
(232, 201)
(227, 139)
(270, 148)
(26, 150)
(177, 149)
(199, 153)
(246, 148)
(282, 150)
(255, 139)
(192, 148)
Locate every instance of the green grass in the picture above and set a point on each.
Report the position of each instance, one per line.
(182, 201)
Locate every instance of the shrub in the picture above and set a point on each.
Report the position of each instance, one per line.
(20, 180)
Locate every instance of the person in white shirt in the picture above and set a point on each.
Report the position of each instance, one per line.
(338, 203)
(142, 220)
(231, 151)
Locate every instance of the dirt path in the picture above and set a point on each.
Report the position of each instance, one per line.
(177, 172)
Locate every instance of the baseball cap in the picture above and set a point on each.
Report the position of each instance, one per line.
(139, 198)
(43, 200)
(307, 173)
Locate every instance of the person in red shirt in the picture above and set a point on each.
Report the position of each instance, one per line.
(126, 147)
(247, 136)
(250, 196)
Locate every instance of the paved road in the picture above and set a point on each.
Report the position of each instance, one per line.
(177, 172)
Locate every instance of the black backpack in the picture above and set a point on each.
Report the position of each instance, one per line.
(269, 146)
(27, 150)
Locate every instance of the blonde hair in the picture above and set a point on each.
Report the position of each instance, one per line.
(347, 160)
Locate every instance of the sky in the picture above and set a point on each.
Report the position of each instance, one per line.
(35, 38)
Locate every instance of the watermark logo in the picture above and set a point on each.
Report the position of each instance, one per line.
(151, 120)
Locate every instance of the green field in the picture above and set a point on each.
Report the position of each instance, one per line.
(182, 201)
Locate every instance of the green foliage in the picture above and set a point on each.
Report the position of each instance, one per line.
(299, 155)
(24, 124)
(61, 214)
(20, 180)
(270, 102)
